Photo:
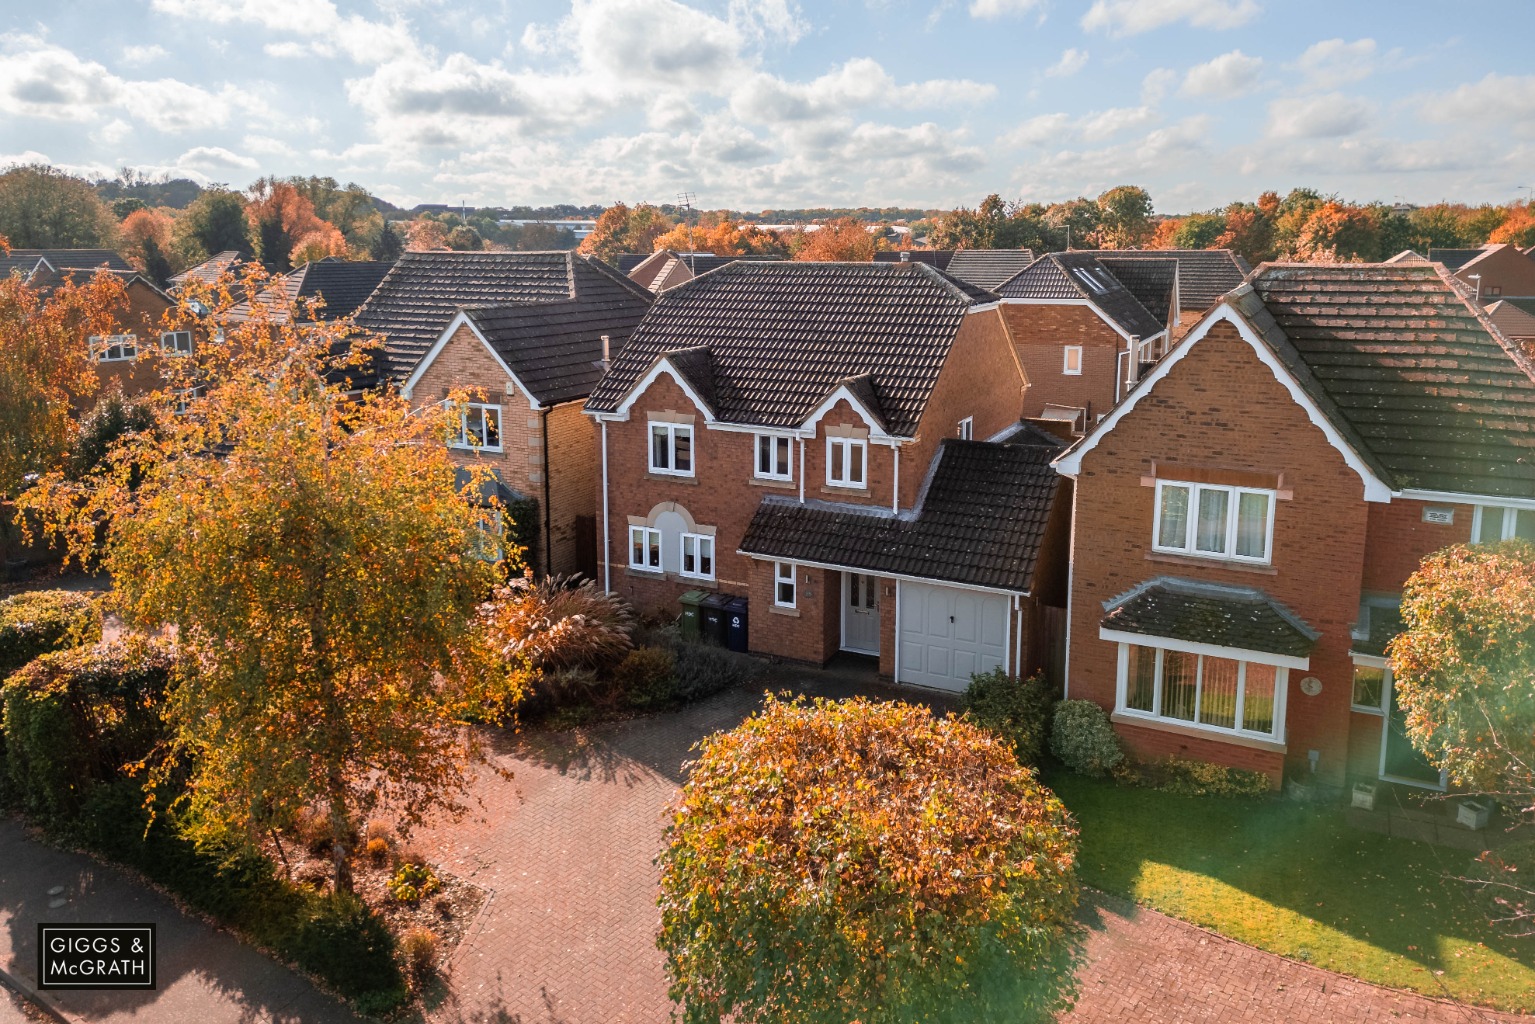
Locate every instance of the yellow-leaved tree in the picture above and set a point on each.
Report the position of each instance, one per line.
(324, 565)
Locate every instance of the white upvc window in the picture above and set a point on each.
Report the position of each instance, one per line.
(698, 556)
(1071, 360)
(1372, 687)
(1493, 523)
(486, 541)
(775, 457)
(1204, 691)
(671, 448)
(846, 461)
(1214, 521)
(966, 429)
(645, 548)
(176, 343)
(479, 426)
(785, 588)
(183, 400)
(114, 348)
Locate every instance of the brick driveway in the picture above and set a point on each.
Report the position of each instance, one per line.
(568, 934)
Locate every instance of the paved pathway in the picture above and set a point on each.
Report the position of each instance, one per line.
(568, 936)
(205, 976)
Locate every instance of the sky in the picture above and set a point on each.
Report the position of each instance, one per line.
(762, 104)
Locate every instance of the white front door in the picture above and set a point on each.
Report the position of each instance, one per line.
(949, 634)
(860, 613)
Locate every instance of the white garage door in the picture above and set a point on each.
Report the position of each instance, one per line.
(948, 634)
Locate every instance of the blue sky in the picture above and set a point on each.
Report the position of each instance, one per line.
(777, 103)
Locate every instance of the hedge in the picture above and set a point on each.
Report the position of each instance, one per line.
(41, 621)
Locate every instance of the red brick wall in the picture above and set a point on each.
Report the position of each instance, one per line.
(573, 472)
(1154, 744)
(1041, 332)
(1220, 409)
(1507, 269)
(142, 317)
(1399, 539)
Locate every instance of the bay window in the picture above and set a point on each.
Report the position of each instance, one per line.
(1202, 690)
(1214, 521)
(671, 448)
(845, 461)
(774, 457)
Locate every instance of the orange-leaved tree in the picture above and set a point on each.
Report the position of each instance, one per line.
(280, 216)
(723, 238)
(843, 239)
(324, 564)
(862, 860)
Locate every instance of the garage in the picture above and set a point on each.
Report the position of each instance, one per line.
(947, 634)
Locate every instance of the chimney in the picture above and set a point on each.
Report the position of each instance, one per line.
(607, 353)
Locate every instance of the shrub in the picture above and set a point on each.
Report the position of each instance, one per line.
(376, 850)
(1016, 709)
(553, 625)
(42, 621)
(413, 881)
(704, 670)
(113, 418)
(646, 677)
(1082, 737)
(312, 829)
(79, 717)
(861, 860)
(1201, 778)
(419, 948)
(377, 829)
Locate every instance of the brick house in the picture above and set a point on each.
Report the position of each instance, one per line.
(120, 360)
(1246, 518)
(801, 435)
(528, 332)
(1492, 272)
(1082, 333)
(1204, 277)
(322, 290)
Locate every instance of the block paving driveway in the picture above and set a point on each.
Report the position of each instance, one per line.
(566, 847)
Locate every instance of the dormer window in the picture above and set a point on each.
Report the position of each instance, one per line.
(846, 462)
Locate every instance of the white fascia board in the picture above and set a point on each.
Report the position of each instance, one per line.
(663, 365)
(1168, 643)
(462, 319)
(984, 307)
(881, 575)
(876, 433)
(1070, 462)
(1459, 498)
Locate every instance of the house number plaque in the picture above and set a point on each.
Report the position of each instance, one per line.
(1311, 686)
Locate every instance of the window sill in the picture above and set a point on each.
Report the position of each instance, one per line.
(845, 491)
(1260, 569)
(782, 485)
(672, 478)
(472, 450)
(645, 574)
(774, 609)
(1196, 732)
(1377, 712)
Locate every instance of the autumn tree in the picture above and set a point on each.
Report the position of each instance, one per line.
(42, 207)
(323, 569)
(388, 244)
(1464, 672)
(1196, 231)
(324, 241)
(843, 239)
(862, 860)
(621, 228)
(1072, 224)
(146, 239)
(280, 216)
(723, 237)
(426, 235)
(1518, 228)
(1124, 217)
(1249, 230)
(1343, 231)
(214, 222)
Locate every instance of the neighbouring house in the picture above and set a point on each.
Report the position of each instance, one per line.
(1516, 319)
(1492, 272)
(1082, 334)
(230, 261)
(1204, 277)
(988, 268)
(1245, 520)
(932, 257)
(327, 289)
(666, 268)
(120, 359)
(808, 437)
(527, 333)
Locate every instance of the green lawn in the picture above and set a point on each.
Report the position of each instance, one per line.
(1298, 881)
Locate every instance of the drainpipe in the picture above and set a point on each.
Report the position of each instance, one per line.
(548, 518)
(895, 491)
(1018, 640)
(801, 472)
(898, 630)
(607, 567)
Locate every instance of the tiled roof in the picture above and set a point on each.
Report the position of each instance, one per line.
(424, 291)
(1204, 275)
(209, 269)
(1080, 275)
(1453, 258)
(24, 261)
(981, 521)
(1207, 613)
(555, 348)
(781, 336)
(666, 268)
(988, 268)
(939, 258)
(1514, 319)
(344, 285)
(1399, 358)
(1408, 256)
(1152, 282)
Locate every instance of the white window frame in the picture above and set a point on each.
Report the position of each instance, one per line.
(777, 472)
(785, 574)
(650, 540)
(1242, 658)
(1510, 521)
(1067, 354)
(849, 445)
(671, 430)
(183, 398)
(698, 542)
(463, 442)
(170, 343)
(1381, 665)
(966, 430)
(125, 345)
(1233, 504)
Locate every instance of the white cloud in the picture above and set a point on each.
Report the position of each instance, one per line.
(1507, 101)
(215, 160)
(316, 21)
(1132, 17)
(1094, 127)
(1329, 115)
(861, 82)
(1225, 77)
(1157, 84)
(1039, 130)
(1108, 123)
(763, 21)
(1332, 62)
(289, 50)
(138, 56)
(1072, 61)
(1001, 8)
